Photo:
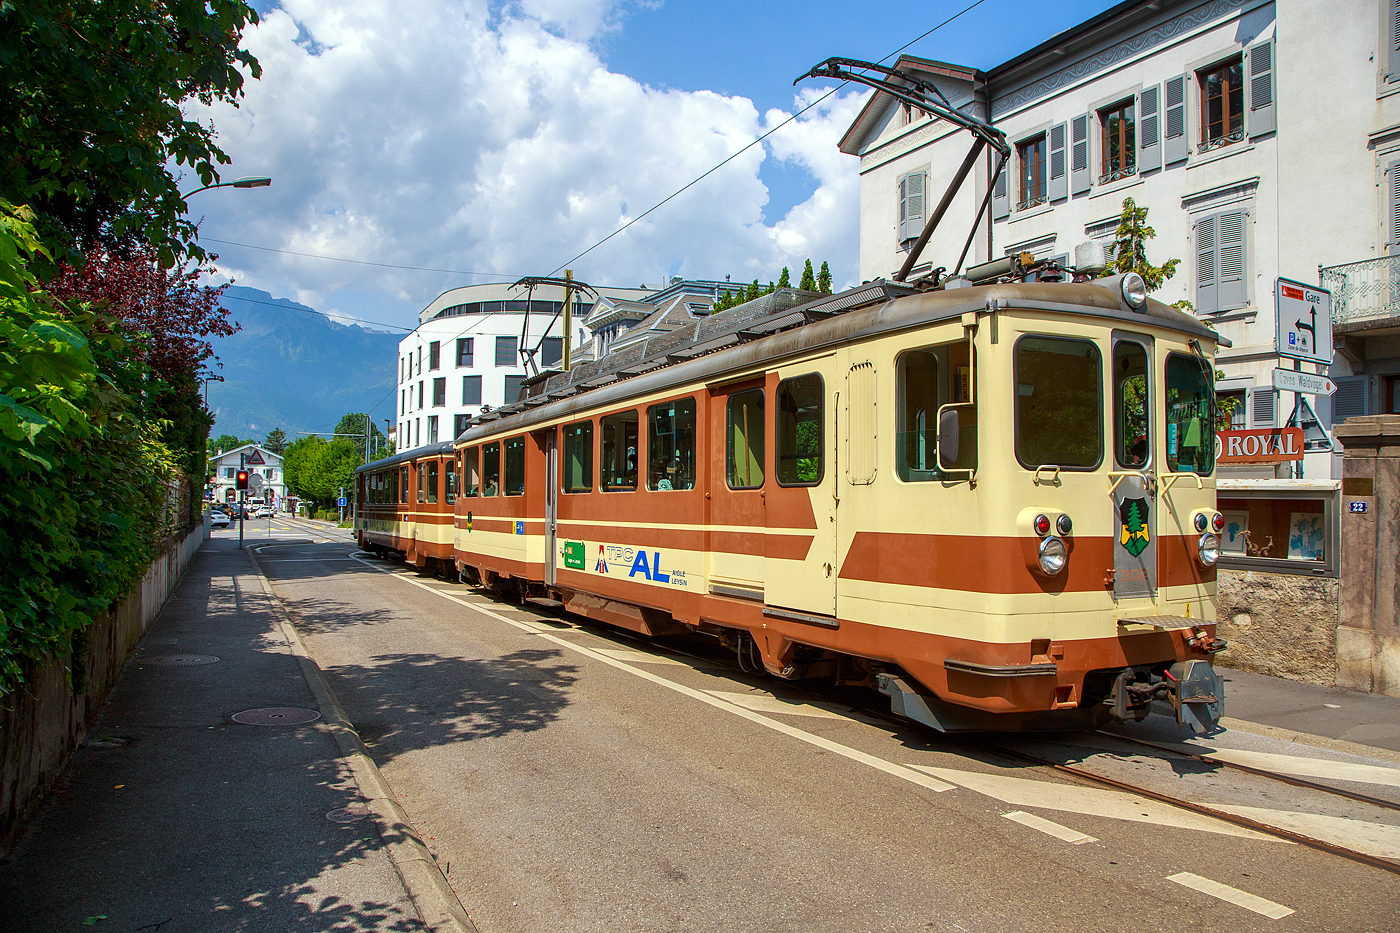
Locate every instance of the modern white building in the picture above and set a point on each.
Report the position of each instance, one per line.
(469, 352)
(255, 459)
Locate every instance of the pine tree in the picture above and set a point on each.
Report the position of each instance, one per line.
(809, 279)
(785, 279)
(1130, 248)
(752, 292)
(771, 288)
(824, 279)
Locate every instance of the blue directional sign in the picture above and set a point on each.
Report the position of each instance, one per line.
(341, 502)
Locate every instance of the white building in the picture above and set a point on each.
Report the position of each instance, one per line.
(467, 353)
(255, 459)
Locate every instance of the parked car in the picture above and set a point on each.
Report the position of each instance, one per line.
(217, 519)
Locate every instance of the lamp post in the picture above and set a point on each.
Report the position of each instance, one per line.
(247, 181)
(206, 380)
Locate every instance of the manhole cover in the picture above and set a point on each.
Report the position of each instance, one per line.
(356, 811)
(179, 660)
(276, 716)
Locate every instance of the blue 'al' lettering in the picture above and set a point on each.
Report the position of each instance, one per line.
(656, 575)
(640, 563)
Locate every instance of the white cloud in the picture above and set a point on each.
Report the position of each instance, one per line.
(442, 135)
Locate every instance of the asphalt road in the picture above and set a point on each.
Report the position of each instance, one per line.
(569, 778)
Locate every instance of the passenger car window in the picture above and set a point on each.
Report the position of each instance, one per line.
(578, 457)
(1059, 403)
(471, 480)
(1130, 404)
(745, 440)
(433, 481)
(929, 379)
(451, 483)
(515, 466)
(671, 445)
(799, 431)
(491, 469)
(618, 457)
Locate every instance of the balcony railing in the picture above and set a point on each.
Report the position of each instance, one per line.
(1364, 291)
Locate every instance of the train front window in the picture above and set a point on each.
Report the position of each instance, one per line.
(799, 431)
(1190, 400)
(471, 479)
(671, 445)
(1059, 403)
(578, 457)
(515, 466)
(1131, 407)
(491, 470)
(618, 458)
(451, 481)
(928, 380)
(432, 487)
(746, 446)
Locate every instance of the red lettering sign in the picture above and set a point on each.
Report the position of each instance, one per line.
(1291, 292)
(1261, 445)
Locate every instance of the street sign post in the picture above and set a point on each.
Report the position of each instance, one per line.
(1307, 383)
(1304, 316)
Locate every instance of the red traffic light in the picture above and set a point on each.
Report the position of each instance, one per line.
(242, 482)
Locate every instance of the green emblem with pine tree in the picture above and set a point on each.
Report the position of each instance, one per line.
(1133, 515)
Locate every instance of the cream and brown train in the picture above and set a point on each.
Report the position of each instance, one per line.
(995, 504)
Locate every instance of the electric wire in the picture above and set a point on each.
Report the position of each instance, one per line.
(338, 316)
(361, 262)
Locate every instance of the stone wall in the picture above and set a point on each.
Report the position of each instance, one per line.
(45, 718)
(1279, 624)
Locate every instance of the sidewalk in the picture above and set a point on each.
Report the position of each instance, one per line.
(174, 817)
(1366, 719)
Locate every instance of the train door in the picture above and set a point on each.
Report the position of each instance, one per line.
(551, 507)
(1134, 496)
(736, 491)
(800, 546)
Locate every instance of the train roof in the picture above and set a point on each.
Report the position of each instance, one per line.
(443, 448)
(760, 332)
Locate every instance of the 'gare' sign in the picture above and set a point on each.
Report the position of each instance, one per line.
(1260, 445)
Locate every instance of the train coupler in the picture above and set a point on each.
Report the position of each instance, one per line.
(1197, 694)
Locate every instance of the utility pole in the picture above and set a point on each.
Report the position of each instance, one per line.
(568, 317)
(387, 422)
(368, 424)
(240, 505)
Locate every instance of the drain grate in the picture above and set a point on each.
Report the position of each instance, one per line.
(356, 811)
(179, 660)
(276, 716)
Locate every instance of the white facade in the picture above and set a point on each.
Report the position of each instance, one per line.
(465, 354)
(255, 459)
(1304, 179)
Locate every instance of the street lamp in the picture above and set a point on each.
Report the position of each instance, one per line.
(206, 380)
(247, 181)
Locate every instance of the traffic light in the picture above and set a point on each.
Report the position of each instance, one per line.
(242, 482)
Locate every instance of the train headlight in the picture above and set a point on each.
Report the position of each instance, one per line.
(1042, 525)
(1134, 290)
(1208, 549)
(1053, 555)
(1064, 526)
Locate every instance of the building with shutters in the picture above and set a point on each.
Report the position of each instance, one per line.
(254, 458)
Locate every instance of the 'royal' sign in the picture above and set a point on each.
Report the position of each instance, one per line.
(1261, 445)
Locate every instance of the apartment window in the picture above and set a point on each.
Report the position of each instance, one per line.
(1232, 406)
(432, 429)
(459, 424)
(578, 457)
(435, 354)
(552, 351)
(230, 473)
(464, 351)
(912, 197)
(1222, 261)
(745, 440)
(403, 400)
(618, 459)
(439, 392)
(471, 390)
(515, 466)
(671, 445)
(1033, 178)
(1119, 128)
(1222, 104)
(420, 393)
(420, 360)
(512, 393)
(505, 351)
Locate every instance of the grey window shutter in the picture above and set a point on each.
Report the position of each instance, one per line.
(1393, 186)
(1262, 407)
(1058, 188)
(1001, 203)
(903, 208)
(914, 201)
(1231, 281)
(1174, 145)
(1349, 400)
(1149, 145)
(1205, 265)
(1262, 112)
(1079, 176)
(1393, 56)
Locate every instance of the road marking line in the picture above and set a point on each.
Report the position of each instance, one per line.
(638, 657)
(305, 560)
(1234, 896)
(764, 703)
(1090, 801)
(1379, 839)
(900, 771)
(1050, 829)
(1287, 764)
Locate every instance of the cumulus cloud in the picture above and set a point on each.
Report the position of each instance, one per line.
(454, 136)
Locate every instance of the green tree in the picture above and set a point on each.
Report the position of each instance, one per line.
(276, 440)
(752, 292)
(824, 279)
(1130, 248)
(785, 278)
(90, 118)
(809, 279)
(225, 442)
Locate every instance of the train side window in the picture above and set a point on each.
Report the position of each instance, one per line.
(515, 466)
(423, 481)
(745, 440)
(1059, 403)
(403, 484)
(618, 457)
(799, 431)
(450, 486)
(491, 469)
(432, 486)
(471, 480)
(1130, 405)
(1190, 399)
(929, 379)
(578, 457)
(671, 445)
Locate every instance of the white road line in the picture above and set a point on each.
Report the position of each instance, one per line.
(906, 774)
(1050, 829)
(637, 657)
(305, 560)
(1090, 801)
(764, 703)
(1379, 839)
(1302, 766)
(1234, 896)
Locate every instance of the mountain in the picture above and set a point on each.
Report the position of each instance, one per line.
(293, 367)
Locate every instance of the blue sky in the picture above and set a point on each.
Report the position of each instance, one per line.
(505, 138)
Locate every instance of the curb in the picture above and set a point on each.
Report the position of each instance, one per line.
(1307, 738)
(427, 887)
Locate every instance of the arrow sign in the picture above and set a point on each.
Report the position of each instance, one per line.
(1304, 316)
(1306, 383)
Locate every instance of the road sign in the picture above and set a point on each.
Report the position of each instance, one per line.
(255, 481)
(1308, 383)
(1304, 316)
(340, 503)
